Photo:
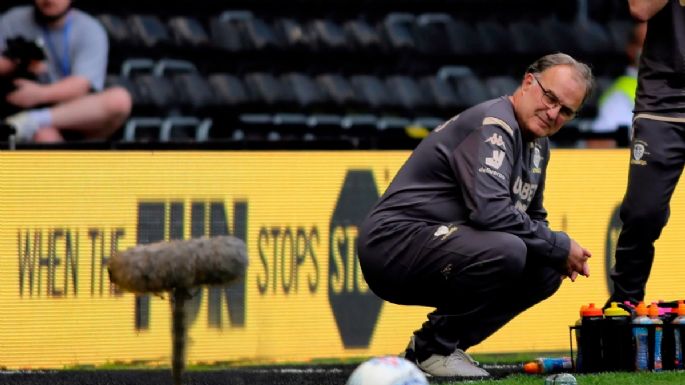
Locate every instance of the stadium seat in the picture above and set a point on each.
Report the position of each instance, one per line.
(362, 36)
(149, 31)
(229, 90)
(117, 29)
(373, 92)
(306, 91)
(294, 35)
(329, 35)
(187, 31)
(528, 38)
(468, 88)
(494, 38)
(592, 37)
(501, 85)
(359, 125)
(441, 92)
(194, 91)
(260, 35)
(184, 129)
(464, 38)
(408, 93)
(434, 33)
(399, 31)
(267, 89)
(339, 90)
(225, 31)
(561, 35)
(142, 129)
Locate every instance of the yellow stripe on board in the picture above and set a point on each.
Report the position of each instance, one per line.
(63, 213)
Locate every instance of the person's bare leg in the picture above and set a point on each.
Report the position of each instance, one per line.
(96, 116)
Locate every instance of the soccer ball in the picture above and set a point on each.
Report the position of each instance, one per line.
(387, 370)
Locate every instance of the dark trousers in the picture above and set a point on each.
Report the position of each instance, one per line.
(656, 162)
(477, 281)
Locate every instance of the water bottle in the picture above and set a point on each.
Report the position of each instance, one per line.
(654, 315)
(647, 357)
(548, 365)
(678, 327)
(668, 349)
(617, 342)
(641, 337)
(590, 341)
(579, 355)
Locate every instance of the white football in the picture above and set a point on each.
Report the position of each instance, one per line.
(387, 370)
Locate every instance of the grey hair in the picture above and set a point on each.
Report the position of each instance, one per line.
(555, 59)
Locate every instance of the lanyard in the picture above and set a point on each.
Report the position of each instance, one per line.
(63, 60)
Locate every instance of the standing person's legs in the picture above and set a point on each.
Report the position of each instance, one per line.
(657, 156)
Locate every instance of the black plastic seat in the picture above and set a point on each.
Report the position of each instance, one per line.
(187, 31)
(561, 34)
(117, 29)
(329, 35)
(592, 37)
(494, 38)
(500, 85)
(184, 129)
(259, 35)
(149, 30)
(194, 92)
(228, 89)
(434, 33)
(359, 125)
(469, 89)
(528, 38)
(363, 36)
(339, 90)
(441, 92)
(408, 93)
(306, 91)
(399, 31)
(294, 35)
(372, 92)
(464, 38)
(225, 30)
(142, 129)
(268, 90)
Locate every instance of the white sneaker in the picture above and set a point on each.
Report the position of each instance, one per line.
(457, 364)
(24, 125)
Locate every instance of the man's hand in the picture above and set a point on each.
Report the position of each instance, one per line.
(576, 263)
(27, 94)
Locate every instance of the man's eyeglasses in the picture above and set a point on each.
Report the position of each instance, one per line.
(551, 101)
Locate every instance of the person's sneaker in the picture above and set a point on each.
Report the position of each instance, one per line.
(409, 352)
(457, 364)
(24, 125)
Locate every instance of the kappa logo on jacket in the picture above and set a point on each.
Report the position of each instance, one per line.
(497, 140)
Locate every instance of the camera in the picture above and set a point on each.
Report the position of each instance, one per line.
(24, 51)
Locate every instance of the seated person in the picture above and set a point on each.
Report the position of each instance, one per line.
(57, 92)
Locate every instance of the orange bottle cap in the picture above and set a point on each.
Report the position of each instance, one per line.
(654, 310)
(641, 309)
(532, 368)
(592, 311)
(681, 308)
